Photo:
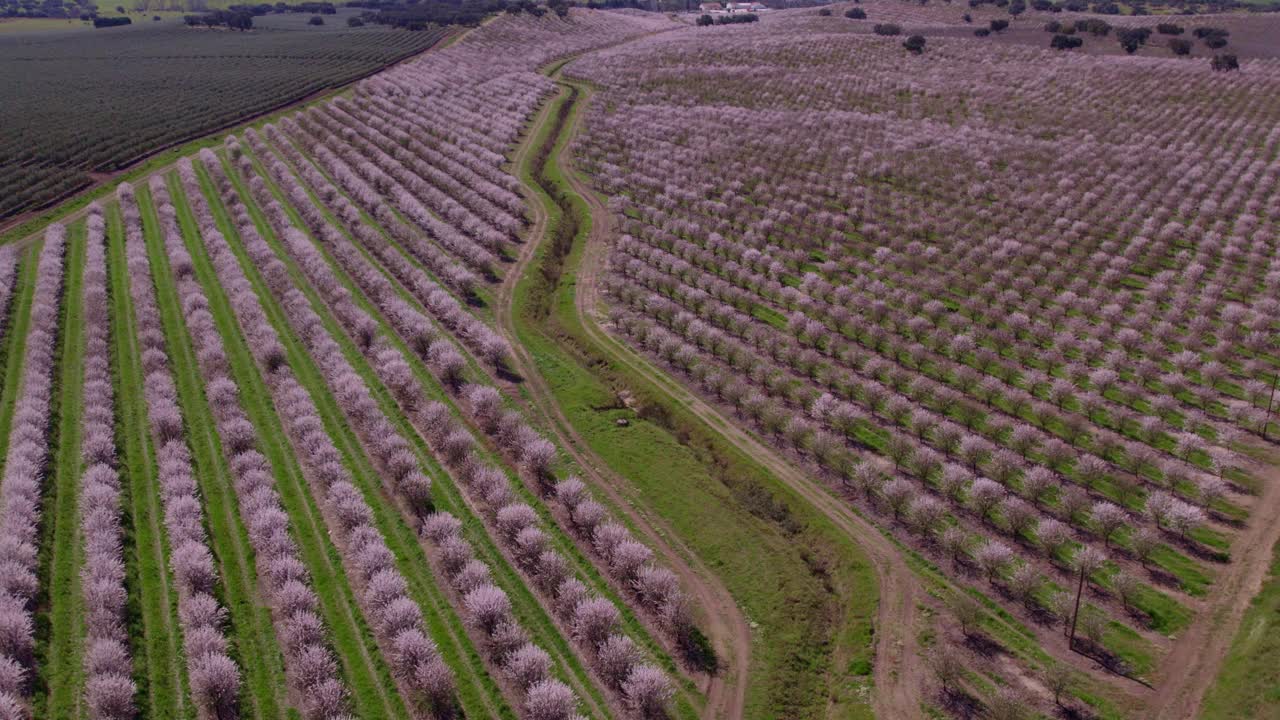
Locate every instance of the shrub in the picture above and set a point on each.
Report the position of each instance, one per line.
(999, 25)
(982, 32)
(355, 22)
(1132, 38)
(705, 20)
(1204, 32)
(1094, 26)
(887, 29)
(825, 12)
(1224, 63)
(315, 20)
(1180, 46)
(856, 14)
(1169, 29)
(915, 44)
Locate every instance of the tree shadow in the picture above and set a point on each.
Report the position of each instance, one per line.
(1074, 712)
(982, 645)
(959, 704)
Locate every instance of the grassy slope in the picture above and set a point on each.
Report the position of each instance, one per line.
(583, 565)
(250, 628)
(59, 624)
(809, 590)
(1248, 685)
(366, 674)
(153, 624)
(477, 692)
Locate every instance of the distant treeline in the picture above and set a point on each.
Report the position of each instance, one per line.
(240, 17)
(1139, 7)
(415, 15)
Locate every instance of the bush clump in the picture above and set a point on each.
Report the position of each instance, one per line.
(1224, 63)
(1065, 42)
(1132, 38)
(1213, 37)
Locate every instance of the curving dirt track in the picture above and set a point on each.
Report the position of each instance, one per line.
(899, 672)
(1185, 674)
(723, 621)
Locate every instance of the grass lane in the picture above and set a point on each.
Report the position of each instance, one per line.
(808, 589)
(1248, 684)
(365, 671)
(478, 694)
(15, 329)
(251, 635)
(159, 670)
(60, 621)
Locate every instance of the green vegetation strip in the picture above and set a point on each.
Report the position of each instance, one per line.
(807, 588)
(1248, 685)
(366, 672)
(251, 631)
(60, 622)
(477, 692)
(152, 609)
(15, 329)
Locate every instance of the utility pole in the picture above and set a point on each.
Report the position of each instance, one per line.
(1275, 378)
(1075, 616)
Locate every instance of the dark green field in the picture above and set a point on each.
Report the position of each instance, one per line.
(85, 101)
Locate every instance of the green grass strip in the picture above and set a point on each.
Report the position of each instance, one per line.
(152, 609)
(367, 675)
(60, 620)
(809, 589)
(15, 329)
(252, 635)
(1248, 683)
(477, 692)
